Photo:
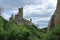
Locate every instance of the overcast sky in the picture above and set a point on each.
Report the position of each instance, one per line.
(40, 11)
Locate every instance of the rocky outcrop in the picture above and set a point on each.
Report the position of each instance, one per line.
(55, 19)
(51, 23)
(57, 14)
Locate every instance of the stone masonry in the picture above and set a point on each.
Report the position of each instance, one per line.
(19, 18)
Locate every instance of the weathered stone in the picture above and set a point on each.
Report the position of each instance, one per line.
(57, 14)
(51, 23)
(19, 18)
(55, 19)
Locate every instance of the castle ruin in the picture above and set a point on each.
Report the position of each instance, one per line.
(19, 18)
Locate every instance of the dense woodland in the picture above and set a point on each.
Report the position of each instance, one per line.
(9, 30)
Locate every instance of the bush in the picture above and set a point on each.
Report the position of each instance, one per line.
(54, 34)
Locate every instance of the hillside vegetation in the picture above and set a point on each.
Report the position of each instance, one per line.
(9, 30)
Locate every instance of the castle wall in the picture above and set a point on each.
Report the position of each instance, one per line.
(20, 20)
(20, 12)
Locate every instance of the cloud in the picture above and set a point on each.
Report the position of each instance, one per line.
(5, 16)
(32, 8)
(0, 1)
(19, 3)
(8, 4)
(39, 10)
(42, 19)
(40, 14)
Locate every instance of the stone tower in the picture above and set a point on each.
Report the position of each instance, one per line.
(19, 16)
(20, 12)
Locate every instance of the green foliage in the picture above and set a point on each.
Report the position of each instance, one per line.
(1, 22)
(11, 31)
(54, 34)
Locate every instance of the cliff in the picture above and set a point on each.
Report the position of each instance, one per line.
(55, 19)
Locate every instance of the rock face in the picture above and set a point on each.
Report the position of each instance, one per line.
(57, 14)
(55, 19)
(51, 23)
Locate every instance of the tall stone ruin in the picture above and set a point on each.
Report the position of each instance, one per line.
(19, 18)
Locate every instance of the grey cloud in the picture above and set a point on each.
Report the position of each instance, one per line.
(46, 21)
(14, 4)
(50, 6)
(42, 24)
(19, 3)
(44, 15)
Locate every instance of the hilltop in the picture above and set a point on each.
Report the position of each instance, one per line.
(9, 30)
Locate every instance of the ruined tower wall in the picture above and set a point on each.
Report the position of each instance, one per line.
(20, 12)
(20, 20)
(19, 16)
